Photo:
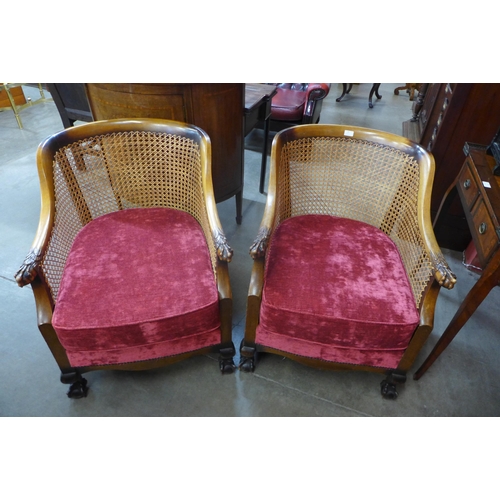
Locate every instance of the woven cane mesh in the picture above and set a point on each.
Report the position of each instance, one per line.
(116, 171)
(359, 180)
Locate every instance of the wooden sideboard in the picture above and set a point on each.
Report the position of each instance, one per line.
(445, 117)
(217, 108)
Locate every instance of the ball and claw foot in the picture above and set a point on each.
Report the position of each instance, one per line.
(247, 365)
(226, 363)
(78, 389)
(226, 366)
(388, 386)
(388, 390)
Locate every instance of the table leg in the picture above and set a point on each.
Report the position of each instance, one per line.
(239, 206)
(264, 155)
(373, 90)
(489, 278)
(345, 90)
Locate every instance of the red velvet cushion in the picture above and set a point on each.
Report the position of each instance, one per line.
(336, 289)
(288, 104)
(138, 284)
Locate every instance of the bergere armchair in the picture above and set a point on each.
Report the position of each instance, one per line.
(129, 266)
(346, 268)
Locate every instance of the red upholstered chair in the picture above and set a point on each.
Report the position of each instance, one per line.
(129, 266)
(297, 103)
(346, 267)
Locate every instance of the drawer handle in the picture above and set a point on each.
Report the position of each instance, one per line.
(482, 227)
(467, 184)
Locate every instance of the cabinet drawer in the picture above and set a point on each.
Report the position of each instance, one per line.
(467, 186)
(16, 93)
(483, 232)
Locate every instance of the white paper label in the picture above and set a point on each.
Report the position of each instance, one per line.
(349, 133)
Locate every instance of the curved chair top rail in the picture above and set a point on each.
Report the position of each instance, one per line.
(360, 133)
(101, 127)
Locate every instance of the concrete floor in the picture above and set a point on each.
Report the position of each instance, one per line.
(463, 382)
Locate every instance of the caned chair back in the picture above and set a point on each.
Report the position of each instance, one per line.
(102, 167)
(366, 175)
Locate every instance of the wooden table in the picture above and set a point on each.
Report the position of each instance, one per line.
(258, 99)
(479, 192)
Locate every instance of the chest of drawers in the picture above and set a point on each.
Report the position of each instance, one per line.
(446, 115)
(479, 193)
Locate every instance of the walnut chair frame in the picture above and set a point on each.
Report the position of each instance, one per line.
(307, 178)
(64, 198)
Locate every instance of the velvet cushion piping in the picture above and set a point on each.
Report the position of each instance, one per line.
(138, 284)
(336, 289)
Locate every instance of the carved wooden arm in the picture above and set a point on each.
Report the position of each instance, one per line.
(27, 272)
(442, 272)
(259, 246)
(224, 251)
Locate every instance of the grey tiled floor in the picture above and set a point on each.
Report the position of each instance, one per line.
(463, 382)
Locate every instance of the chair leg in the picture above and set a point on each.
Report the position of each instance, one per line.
(226, 362)
(388, 385)
(247, 357)
(78, 388)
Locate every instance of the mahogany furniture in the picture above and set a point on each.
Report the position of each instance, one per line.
(445, 116)
(258, 100)
(479, 193)
(346, 268)
(217, 108)
(129, 266)
(71, 102)
(347, 87)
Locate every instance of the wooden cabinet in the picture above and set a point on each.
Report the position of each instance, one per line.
(16, 93)
(217, 108)
(446, 116)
